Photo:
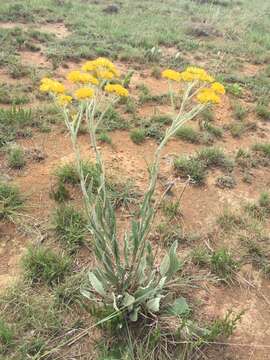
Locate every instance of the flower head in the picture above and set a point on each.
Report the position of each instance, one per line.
(64, 100)
(187, 76)
(84, 93)
(53, 86)
(218, 88)
(195, 73)
(79, 77)
(207, 95)
(105, 74)
(100, 64)
(117, 89)
(171, 75)
(89, 66)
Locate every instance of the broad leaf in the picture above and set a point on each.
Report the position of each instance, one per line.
(153, 304)
(128, 300)
(170, 264)
(179, 307)
(134, 314)
(97, 285)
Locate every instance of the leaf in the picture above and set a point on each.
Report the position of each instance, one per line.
(86, 294)
(179, 307)
(153, 304)
(128, 300)
(134, 314)
(170, 263)
(97, 285)
(141, 271)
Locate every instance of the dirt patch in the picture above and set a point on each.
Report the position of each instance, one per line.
(58, 29)
(34, 59)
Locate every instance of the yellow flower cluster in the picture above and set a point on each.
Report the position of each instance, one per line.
(101, 67)
(63, 99)
(117, 89)
(79, 77)
(191, 73)
(171, 75)
(218, 88)
(208, 95)
(53, 86)
(84, 93)
(211, 95)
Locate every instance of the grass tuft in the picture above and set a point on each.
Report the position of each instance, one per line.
(70, 227)
(10, 201)
(42, 265)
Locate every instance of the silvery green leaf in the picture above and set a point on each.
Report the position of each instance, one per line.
(144, 293)
(141, 271)
(134, 314)
(161, 283)
(86, 294)
(128, 300)
(115, 303)
(153, 304)
(170, 263)
(179, 307)
(97, 285)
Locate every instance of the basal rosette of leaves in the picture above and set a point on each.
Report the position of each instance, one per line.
(127, 279)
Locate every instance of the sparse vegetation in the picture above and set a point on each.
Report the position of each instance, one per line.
(107, 255)
(16, 158)
(41, 264)
(70, 227)
(138, 136)
(11, 201)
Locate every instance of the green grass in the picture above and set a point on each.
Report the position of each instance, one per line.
(196, 166)
(239, 111)
(70, 227)
(138, 136)
(188, 134)
(226, 182)
(122, 193)
(215, 157)
(11, 201)
(42, 265)
(67, 174)
(193, 167)
(223, 265)
(6, 337)
(16, 157)
(263, 112)
(14, 122)
(171, 209)
(262, 148)
(104, 138)
(59, 192)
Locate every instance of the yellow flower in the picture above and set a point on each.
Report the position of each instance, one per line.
(105, 74)
(187, 76)
(49, 85)
(79, 77)
(196, 73)
(88, 78)
(74, 76)
(100, 64)
(195, 70)
(84, 93)
(218, 88)
(89, 66)
(116, 89)
(207, 78)
(171, 75)
(64, 100)
(207, 95)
